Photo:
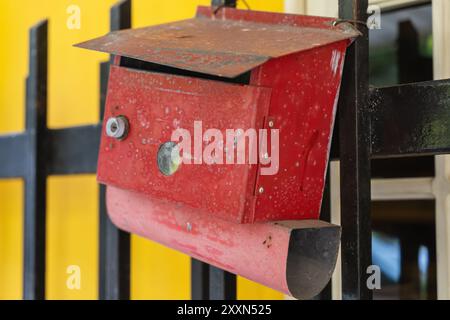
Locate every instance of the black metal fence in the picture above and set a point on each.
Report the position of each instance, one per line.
(372, 123)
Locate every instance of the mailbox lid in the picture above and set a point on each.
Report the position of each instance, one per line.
(158, 104)
(226, 43)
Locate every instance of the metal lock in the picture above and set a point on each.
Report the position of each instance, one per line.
(117, 127)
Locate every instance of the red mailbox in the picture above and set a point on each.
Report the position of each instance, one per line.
(218, 126)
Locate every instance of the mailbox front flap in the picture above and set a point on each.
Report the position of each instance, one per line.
(156, 106)
(227, 43)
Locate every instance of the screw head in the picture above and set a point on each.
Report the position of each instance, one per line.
(261, 190)
(271, 124)
(117, 127)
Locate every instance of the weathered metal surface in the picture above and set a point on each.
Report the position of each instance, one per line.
(303, 105)
(293, 89)
(392, 111)
(354, 140)
(302, 108)
(156, 105)
(295, 257)
(412, 119)
(228, 45)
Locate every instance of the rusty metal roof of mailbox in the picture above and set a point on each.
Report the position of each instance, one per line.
(225, 45)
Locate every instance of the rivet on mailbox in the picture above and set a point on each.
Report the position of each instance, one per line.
(229, 117)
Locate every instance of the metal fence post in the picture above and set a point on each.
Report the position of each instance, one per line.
(354, 143)
(199, 280)
(222, 284)
(36, 172)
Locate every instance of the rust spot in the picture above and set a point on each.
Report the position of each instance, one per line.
(268, 241)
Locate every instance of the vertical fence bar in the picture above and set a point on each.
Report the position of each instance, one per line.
(120, 16)
(354, 124)
(35, 180)
(114, 260)
(224, 3)
(222, 284)
(199, 280)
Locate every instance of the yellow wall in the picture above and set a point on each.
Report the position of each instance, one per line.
(72, 220)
